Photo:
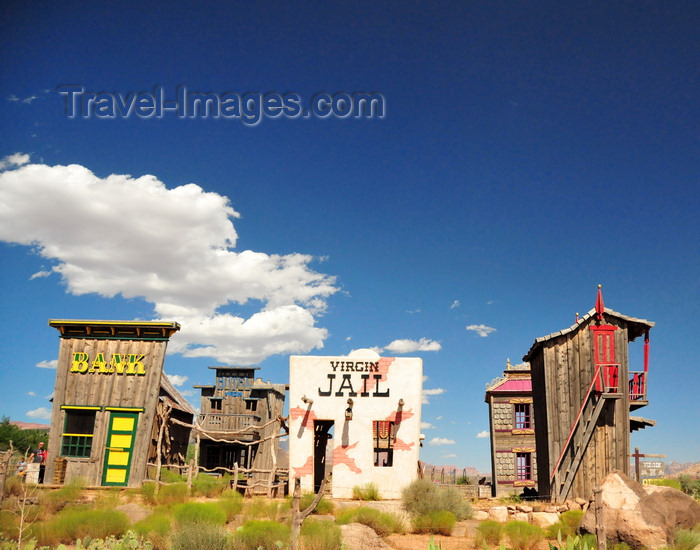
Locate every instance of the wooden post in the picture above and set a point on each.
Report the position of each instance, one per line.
(159, 446)
(196, 450)
(599, 518)
(235, 476)
(189, 475)
(299, 517)
(5, 470)
(636, 456)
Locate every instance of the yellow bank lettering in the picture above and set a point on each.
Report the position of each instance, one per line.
(130, 364)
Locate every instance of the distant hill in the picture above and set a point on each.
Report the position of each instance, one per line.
(29, 425)
(674, 468)
(687, 469)
(469, 471)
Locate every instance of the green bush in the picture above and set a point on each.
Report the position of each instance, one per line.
(585, 542)
(9, 524)
(368, 491)
(321, 535)
(155, 529)
(382, 523)
(53, 501)
(523, 535)
(253, 535)
(422, 497)
(231, 502)
(686, 539)
(324, 506)
(567, 525)
(673, 483)
(169, 476)
(209, 486)
(201, 536)
(199, 512)
(258, 508)
(439, 522)
(72, 524)
(490, 532)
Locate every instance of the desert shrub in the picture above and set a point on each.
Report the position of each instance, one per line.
(156, 529)
(686, 539)
(324, 506)
(567, 525)
(523, 535)
(202, 536)
(490, 532)
(148, 491)
(231, 502)
(439, 522)
(9, 524)
(208, 486)
(321, 535)
(422, 497)
(51, 502)
(14, 486)
(260, 508)
(591, 541)
(368, 491)
(382, 523)
(199, 512)
(177, 492)
(170, 476)
(75, 523)
(585, 542)
(253, 535)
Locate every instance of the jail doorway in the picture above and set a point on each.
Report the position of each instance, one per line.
(323, 451)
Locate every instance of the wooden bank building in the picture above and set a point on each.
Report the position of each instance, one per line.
(584, 391)
(111, 401)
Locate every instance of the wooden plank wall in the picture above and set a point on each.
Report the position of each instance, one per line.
(115, 390)
(559, 386)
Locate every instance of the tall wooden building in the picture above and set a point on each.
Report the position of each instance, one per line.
(512, 424)
(110, 389)
(583, 391)
(237, 419)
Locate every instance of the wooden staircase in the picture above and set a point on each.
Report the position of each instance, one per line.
(580, 435)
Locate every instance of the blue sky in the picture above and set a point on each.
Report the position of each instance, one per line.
(527, 153)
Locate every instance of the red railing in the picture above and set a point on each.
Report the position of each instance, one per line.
(638, 386)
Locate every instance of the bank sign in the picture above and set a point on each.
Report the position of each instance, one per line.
(130, 364)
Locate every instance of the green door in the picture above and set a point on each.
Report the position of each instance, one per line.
(120, 446)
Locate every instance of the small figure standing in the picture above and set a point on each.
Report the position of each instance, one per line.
(39, 457)
(22, 468)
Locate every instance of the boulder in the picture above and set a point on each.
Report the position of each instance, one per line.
(521, 516)
(359, 537)
(524, 508)
(641, 516)
(544, 519)
(499, 513)
(480, 515)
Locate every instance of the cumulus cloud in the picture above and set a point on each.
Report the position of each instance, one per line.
(18, 159)
(481, 330)
(41, 412)
(53, 364)
(436, 441)
(410, 346)
(175, 248)
(429, 392)
(176, 379)
(426, 426)
(483, 434)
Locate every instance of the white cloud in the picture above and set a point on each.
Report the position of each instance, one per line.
(410, 346)
(481, 330)
(18, 159)
(441, 441)
(429, 392)
(47, 364)
(426, 426)
(175, 250)
(455, 304)
(39, 274)
(176, 379)
(449, 455)
(483, 434)
(438, 418)
(31, 393)
(41, 412)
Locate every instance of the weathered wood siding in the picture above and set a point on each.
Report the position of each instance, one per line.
(561, 374)
(106, 390)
